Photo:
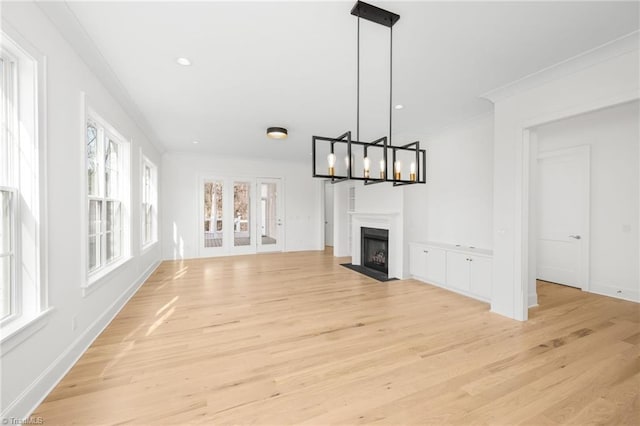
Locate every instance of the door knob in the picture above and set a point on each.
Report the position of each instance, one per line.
(576, 237)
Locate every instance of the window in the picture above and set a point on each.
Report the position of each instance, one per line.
(149, 197)
(8, 186)
(107, 192)
(22, 289)
(7, 250)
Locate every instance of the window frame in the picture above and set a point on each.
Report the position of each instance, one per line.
(145, 163)
(26, 179)
(15, 307)
(105, 133)
(10, 181)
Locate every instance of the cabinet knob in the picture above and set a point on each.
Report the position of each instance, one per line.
(426, 251)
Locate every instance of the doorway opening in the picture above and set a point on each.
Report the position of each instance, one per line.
(584, 204)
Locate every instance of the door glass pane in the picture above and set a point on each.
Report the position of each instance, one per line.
(268, 213)
(241, 214)
(213, 214)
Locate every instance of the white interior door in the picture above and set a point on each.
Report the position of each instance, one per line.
(269, 215)
(328, 214)
(563, 216)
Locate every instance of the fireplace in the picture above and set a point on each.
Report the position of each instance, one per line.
(374, 249)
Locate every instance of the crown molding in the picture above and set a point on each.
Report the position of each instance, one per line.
(617, 47)
(67, 23)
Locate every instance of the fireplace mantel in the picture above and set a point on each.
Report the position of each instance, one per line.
(391, 221)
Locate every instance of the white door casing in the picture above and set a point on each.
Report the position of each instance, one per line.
(562, 211)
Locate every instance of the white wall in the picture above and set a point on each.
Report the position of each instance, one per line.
(455, 205)
(32, 368)
(341, 219)
(181, 176)
(614, 137)
(602, 78)
(378, 198)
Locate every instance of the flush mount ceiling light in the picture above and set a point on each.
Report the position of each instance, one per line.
(183, 61)
(360, 154)
(196, 142)
(277, 132)
(399, 106)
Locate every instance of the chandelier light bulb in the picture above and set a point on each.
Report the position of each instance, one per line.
(367, 166)
(331, 160)
(382, 169)
(397, 167)
(412, 173)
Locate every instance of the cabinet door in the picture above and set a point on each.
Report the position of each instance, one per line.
(458, 270)
(481, 276)
(436, 269)
(417, 261)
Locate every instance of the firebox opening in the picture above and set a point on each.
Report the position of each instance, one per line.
(374, 251)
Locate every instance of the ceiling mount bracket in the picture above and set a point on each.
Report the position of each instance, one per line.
(374, 14)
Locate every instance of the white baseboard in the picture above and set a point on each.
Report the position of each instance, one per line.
(452, 289)
(34, 394)
(533, 300)
(619, 293)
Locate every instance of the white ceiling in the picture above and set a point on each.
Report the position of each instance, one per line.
(293, 64)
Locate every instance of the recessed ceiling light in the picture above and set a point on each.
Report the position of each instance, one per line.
(196, 142)
(183, 61)
(399, 106)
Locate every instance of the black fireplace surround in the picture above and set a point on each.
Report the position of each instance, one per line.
(374, 249)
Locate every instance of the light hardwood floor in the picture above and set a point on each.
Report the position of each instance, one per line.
(296, 338)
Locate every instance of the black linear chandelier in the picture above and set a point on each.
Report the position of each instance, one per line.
(380, 149)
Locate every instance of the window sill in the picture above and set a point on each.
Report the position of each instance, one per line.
(18, 331)
(98, 278)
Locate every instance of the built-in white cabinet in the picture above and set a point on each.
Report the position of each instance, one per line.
(466, 270)
(480, 276)
(458, 270)
(428, 263)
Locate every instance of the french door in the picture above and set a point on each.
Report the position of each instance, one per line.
(269, 215)
(239, 216)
